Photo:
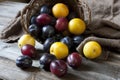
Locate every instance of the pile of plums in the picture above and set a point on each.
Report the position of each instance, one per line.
(47, 29)
(47, 61)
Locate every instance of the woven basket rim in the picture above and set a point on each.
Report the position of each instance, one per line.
(26, 11)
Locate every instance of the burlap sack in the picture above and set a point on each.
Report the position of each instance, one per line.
(12, 31)
(105, 26)
(104, 32)
(10, 26)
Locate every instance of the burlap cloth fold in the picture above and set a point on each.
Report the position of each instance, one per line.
(13, 30)
(104, 32)
(104, 26)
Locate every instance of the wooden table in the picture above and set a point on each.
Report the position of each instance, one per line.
(89, 69)
(8, 11)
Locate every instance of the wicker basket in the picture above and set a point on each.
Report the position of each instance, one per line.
(77, 6)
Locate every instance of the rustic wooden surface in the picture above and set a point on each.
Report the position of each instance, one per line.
(8, 11)
(89, 69)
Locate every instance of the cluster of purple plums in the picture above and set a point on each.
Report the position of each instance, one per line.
(41, 28)
(47, 61)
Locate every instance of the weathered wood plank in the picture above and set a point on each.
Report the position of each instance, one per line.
(9, 70)
(89, 70)
(8, 11)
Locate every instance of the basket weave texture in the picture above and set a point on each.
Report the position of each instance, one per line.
(33, 8)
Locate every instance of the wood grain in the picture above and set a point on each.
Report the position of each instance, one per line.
(8, 11)
(89, 70)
